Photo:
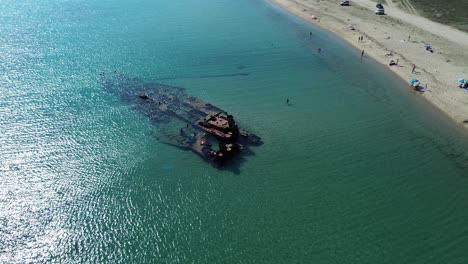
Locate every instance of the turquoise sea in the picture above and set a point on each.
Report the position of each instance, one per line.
(358, 169)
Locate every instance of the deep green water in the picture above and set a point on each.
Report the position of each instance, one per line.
(357, 170)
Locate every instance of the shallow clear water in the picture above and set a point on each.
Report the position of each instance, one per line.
(357, 170)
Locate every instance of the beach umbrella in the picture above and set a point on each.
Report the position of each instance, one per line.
(461, 80)
(414, 81)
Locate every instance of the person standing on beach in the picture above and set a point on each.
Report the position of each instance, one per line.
(414, 68)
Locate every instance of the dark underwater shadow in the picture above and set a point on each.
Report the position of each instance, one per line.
(181, 120)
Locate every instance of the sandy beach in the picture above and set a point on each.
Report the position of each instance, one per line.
(403, 35)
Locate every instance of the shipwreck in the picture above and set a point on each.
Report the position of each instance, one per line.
(189, 123)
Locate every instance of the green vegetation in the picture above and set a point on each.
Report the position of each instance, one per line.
(450, 12)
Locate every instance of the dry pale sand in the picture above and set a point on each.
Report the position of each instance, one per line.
(389, 34)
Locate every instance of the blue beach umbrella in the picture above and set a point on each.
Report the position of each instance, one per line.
(414, 81)
(461, 80)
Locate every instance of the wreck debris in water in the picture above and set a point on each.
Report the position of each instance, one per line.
(190, 123)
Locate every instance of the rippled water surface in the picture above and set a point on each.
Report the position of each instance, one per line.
(356, 170)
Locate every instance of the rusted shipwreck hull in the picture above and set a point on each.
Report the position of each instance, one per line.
(189, 123)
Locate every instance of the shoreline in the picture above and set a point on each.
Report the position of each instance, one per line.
(385, 34)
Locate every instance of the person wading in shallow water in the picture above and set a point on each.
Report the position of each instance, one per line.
(287, 101)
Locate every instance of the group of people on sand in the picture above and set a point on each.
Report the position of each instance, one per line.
(416, 84)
